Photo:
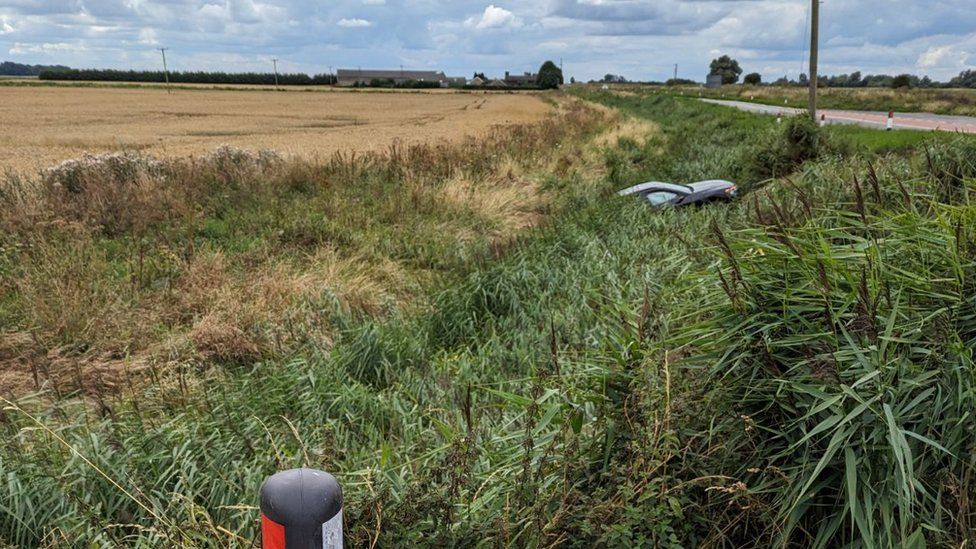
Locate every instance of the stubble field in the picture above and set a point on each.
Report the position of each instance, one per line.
(40, 126)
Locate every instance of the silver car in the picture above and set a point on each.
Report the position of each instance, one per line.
(658, 193)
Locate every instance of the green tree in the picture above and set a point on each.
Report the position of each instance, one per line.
(966, 79)
(729, 69)
(753, 78)
(902, 81)
(550, 76)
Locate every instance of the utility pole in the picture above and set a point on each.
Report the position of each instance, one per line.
(814, 46)
(165, 70)
(275, 61)
(675, 73)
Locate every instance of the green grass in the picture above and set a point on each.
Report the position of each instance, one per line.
(884, 142)
(792, 369)
(960, 102)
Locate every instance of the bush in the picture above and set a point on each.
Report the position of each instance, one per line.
(780, 152)
(902, 81)
(753, 79)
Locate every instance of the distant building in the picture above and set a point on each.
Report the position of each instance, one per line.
(477, 81)
(713, 81)
(527, 79)
(497, 83)
(456, 80)
(350, 77)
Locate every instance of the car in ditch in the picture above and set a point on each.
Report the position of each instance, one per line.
(658, 194)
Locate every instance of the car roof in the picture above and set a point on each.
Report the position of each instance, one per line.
(655, 186)
(710, 184)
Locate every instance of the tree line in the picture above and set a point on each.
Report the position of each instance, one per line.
(9, 68)
(730, 70)
(189, 77)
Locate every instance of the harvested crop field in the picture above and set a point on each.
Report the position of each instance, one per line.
(40, 126)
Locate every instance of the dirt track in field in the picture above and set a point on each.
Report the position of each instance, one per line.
(41, 126)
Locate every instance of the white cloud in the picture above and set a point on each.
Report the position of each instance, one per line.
(5, 26)
(374, 2)
(148, 36)
(353, 23)
(554, 45)
(938, 57)
(493, 17)
(45, 47)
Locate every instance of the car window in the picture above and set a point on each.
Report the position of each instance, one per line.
(660, 197)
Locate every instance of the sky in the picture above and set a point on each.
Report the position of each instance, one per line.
(638, 39)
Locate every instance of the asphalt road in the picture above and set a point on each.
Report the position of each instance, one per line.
(902, 121)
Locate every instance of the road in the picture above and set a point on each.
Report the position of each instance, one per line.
(902, 121)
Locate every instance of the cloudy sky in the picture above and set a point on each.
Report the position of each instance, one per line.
(640, 39)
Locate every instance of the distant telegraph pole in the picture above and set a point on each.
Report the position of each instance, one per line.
(165, 69)
(275, 61)
(814, 45)
(675, 73)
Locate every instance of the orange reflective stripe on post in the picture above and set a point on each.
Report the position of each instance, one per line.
(272, 534)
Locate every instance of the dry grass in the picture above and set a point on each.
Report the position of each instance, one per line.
(120, 262)
(506, 197)
(42, 125)
(635, 129)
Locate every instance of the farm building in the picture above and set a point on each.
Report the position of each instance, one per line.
(349, 77)
(713, 81)
(527, 79)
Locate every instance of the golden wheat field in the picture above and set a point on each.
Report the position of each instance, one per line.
(40, 125)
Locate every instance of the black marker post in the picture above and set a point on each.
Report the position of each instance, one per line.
(301, 509)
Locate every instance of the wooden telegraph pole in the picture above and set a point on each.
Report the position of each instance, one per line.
(814, 46)
(165, 70)
(275, 61)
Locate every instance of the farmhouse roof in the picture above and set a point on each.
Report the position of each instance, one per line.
(527, 78)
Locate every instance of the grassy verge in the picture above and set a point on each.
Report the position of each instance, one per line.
(961, 102)
(792, 369)
(881, 142)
